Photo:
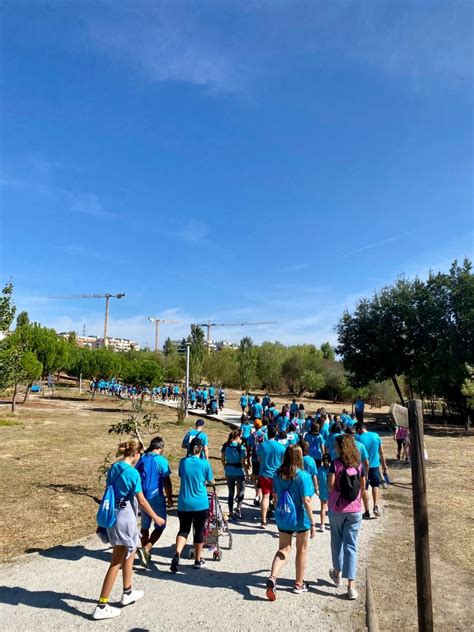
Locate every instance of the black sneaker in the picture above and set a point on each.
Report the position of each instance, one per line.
(174, 564)
(366, 515)
(199, 563)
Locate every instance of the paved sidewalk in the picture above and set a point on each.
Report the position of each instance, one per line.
(57, 589)
(228, 416)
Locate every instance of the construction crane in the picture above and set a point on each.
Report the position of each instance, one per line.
(210, 324)
(107, 299)
(158, 322)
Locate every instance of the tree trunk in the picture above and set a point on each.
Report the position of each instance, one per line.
(14, 398)
(28, 386)
(397, 388)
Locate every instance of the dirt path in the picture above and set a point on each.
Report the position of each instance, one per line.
(57, 589)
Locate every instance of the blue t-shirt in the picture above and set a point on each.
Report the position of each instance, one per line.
(201, 435)
(243, 401)
(310, 467)
(212, 391)
(233, 455)
(125, 480)
(331, 444)
(282, 423)
(257, 411)
(323, 473)
(293, 408)
(300, 487)
(372, 443)
(292, 438)
(163, 469)
(359, 405)
(194, 473)
(324, 430)
(246, 430)
(270, 454)
(205, 394)
(316, 443)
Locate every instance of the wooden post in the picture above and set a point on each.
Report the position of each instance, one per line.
(420, 517)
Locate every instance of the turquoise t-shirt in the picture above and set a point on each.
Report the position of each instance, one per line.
(246, 430)
(372, 443)
(331, 444)
(310, 467)
(323, 473)
(300, 487)
(315, 443)
(257, 411)
(243, 401)
(163, 469)
(292, 438)
(233, 455)
(270, 454)
(194, 473)
(200, 435)
(125, 480)
(324, 430)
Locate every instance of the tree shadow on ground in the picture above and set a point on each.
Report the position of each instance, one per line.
(16, 595)
(71, 553)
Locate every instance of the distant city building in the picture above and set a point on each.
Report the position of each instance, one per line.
(225, 344)
(94, 342)
(180, 346)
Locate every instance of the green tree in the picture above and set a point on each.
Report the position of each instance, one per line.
(270, 359)
(168, 347)
(22, 319)
(327, 351)
(313, 381)
(300, 360)
(221, 367)
(247, 361)
(7, 308)
(11, 370)
(197, 354)
(31, 370)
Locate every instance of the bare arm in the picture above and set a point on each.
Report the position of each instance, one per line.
(315, 483)
(331, 482)
(309, 513)
(145, 505)
(206, 452)
(382, 456)
(169, 490)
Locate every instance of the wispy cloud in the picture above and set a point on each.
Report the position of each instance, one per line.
(192, 231)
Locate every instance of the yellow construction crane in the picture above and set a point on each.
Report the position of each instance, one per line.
(158, 322)
(210, 324)
(107, 299)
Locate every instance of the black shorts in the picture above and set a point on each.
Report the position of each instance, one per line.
(373, 478)
(190, 518)
(293, 532)
(319, 462)
(256, 468)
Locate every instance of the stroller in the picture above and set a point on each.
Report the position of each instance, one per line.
(212, 407)
(217, 526)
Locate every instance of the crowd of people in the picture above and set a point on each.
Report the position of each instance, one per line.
(290, 457)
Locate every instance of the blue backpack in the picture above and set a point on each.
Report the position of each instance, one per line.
(286, 515)
(150, 475)
(107, 512)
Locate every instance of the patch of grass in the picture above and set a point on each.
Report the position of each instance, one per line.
(8, 422)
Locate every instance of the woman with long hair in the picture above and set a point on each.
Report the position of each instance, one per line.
(124, 535)
(292, 480)
(234, 460)
(346, 481)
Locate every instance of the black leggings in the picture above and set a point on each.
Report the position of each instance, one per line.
(399, 446)
(187, 519)
(232, 481)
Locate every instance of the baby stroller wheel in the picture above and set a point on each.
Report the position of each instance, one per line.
(217, 556)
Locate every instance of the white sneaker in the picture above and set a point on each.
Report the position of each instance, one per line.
(335, 578)
(352, 593)
(135, 595)
(107, 612)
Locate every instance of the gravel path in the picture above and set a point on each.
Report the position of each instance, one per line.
(57, 589)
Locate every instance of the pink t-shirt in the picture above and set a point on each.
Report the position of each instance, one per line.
(401, 433)
(336, 502)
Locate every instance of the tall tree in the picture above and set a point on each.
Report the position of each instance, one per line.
(247, 360)
(7, 308)
(327, 351)
(197, 354)
(22, 319)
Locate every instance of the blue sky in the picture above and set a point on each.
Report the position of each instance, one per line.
(231, 160)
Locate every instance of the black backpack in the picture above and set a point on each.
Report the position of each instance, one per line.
(349, 485)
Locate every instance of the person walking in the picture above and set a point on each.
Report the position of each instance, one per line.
(373, 445)
(359, 406)
(323, 473)
(270, 455)
(293, 489)
(315, 442)
(234, 460)
(193, 502)
(243, 402)
(155, 475)
(400, 436)
(124, 536)
(198, 431)
(345, 482)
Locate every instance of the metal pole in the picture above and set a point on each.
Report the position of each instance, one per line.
(186, 396)
(208, 338)
(420, 517)
(106, 322)
(157, 325)
(80, 382)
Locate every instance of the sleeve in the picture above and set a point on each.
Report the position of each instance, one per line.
(136, 482)
(165, 468)
(205, 440)
(306, 484)
(209, 474)
(313, 469)
(180, 469)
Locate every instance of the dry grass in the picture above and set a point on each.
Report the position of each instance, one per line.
(49, 464)
(450, 513)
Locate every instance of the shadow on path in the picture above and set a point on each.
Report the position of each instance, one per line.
(15, 596)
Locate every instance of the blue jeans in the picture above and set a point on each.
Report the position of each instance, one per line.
(344, 533)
